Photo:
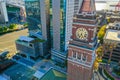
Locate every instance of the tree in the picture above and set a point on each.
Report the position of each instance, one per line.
(101, 33)
(25, 25)
(108, 19)
(1, 29)
(13, 26)
(5, 29)
(99, 51)
(96, 65)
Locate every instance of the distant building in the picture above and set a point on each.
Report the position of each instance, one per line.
(12, 11)
(106, 4)
(114, 26)
(37, 12)
(31, 48)
(112, 43)
(101, 15)
(114, 18)
(3, 12)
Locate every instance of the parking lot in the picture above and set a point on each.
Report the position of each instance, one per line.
(7, 41)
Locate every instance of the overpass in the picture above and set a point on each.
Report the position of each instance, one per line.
(15, 7)
(17, 3)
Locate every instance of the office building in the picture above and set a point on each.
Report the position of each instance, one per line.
(38, 18)
(37, 12)
(82, 46)
(30, 48)
(62, 15)
(112, 43)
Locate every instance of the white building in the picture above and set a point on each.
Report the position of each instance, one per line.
(3, 12)
(106, 4)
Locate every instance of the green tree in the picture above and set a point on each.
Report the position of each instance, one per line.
(96, 65)
(1, 29)
(108, 19)
(13, 26)
(25, 25)
(101, 33)
(5, 29)
(99, 51)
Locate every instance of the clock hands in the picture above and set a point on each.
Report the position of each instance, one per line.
(81, 33)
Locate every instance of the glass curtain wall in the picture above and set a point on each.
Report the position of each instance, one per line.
(33, 15)
(62, 24)
(51, 26)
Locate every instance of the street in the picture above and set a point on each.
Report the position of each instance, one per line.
(7, 41)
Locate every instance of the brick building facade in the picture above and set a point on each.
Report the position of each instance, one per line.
(81, 51)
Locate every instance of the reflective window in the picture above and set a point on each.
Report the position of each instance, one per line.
(62, 23)
(33, 15)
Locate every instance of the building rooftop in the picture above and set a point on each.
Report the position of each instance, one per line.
(38, 74)
(115, 16)
(113, 25)
(2, 78)
(19, 72)
(26, 39)
(37, 40)
(53, 74)
(112, 35)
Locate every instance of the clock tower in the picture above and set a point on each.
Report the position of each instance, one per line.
(83, 43)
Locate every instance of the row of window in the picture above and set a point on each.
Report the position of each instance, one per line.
(62, 24)
(79, 56)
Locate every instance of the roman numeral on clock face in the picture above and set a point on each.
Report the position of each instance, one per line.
(81, 33)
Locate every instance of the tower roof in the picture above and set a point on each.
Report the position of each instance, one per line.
(88, 6)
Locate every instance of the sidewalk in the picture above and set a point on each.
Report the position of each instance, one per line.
(111, 74)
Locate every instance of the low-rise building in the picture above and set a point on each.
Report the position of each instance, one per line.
(51, 74)
(113, 16)
(115, 26)
(112, 43)
(31, 48)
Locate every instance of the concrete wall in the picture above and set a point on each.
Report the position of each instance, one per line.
(56, 24)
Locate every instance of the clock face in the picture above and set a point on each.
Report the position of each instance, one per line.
(81, 33)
